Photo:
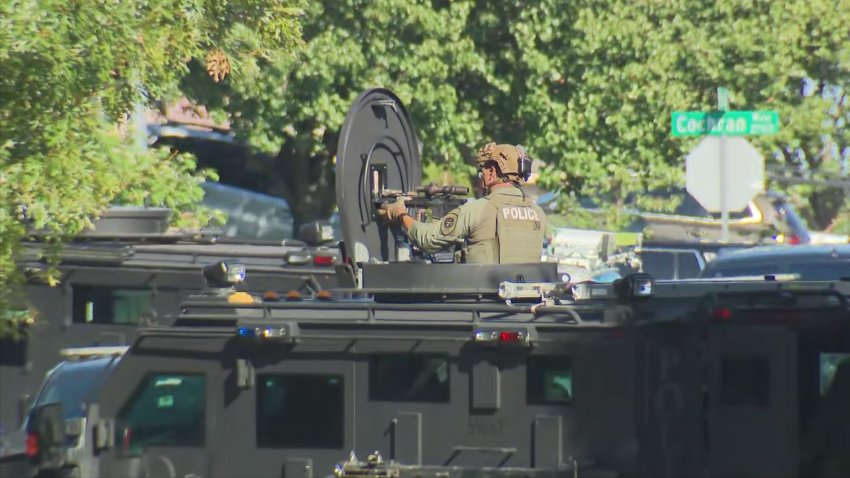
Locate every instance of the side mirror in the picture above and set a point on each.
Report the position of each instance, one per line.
(46, 434)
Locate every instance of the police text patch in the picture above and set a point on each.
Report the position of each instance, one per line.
(520, 213)
(447, 227)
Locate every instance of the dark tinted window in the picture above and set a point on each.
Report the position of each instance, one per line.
(549, 380)
(409, 378)
(300, 411)
(13, 343)
(745, 381)
(670, 264)
(110, 305)
(165, 410)
(13, 351)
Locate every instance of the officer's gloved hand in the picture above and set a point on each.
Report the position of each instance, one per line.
(392, 211)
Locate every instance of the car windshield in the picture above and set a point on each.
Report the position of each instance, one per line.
(70, 385)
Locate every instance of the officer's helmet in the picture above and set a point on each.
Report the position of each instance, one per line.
(513, 161)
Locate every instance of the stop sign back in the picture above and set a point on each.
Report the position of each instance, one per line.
(743, 177)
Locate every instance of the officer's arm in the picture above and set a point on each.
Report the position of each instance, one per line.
(436, 236)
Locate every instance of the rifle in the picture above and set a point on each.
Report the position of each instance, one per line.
(438, 199)
(433, 199)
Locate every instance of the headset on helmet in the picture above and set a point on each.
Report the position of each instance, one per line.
(513, 161)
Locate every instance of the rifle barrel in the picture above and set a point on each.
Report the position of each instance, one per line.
(434, 189)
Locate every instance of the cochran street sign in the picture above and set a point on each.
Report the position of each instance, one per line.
(725, 123)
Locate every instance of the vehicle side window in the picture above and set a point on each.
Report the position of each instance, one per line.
(549, 380)
(745, 381)
(409, 378)
(682, 264)
(165, 410)
(658, 264)
(300, 411)
(110, 305)
(13, 351)
(689, 265)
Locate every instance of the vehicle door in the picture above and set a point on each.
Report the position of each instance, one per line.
(752, 402)
(293, 418)
(163, 409)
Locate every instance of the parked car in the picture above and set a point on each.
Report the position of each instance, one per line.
(70, 388)
(806, 262)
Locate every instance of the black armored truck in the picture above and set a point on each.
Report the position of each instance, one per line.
(132, 271)
(442, 369)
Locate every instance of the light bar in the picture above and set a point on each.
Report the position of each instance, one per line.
(262, 332)
(298, 258)
(278, 333)
(494, 336)
(93, 352)
(323, 260)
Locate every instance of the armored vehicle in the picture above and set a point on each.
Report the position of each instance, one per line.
(131, 271)
(437, 369)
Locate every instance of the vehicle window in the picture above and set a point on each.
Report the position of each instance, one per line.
(13, 345)
(111, 305)
(549, 380)
(13, 351)
(745, 380)
(409, 378)
(165, 410)
(70, 385)
(300, 411)
(658, 264)
(670, 264)
(689, 265)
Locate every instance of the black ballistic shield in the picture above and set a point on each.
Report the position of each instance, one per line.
(378, 149)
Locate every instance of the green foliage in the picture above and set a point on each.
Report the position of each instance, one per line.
(297, 105)
(72, 75)
(604, 78)
(588, 86)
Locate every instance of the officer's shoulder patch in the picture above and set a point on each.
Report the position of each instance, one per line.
(448, 224)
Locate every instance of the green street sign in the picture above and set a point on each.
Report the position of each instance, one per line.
(724, 123)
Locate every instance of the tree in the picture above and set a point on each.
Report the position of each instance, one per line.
(588, 86)
(294, 111)
(600, 79)
(73, 74)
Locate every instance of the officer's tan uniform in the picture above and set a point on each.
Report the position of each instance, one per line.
(502, 227)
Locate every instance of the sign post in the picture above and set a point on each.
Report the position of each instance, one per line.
(722, 123)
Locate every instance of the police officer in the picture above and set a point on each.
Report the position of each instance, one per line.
(504, 226)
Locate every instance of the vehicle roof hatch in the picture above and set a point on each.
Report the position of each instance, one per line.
(378, 149)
